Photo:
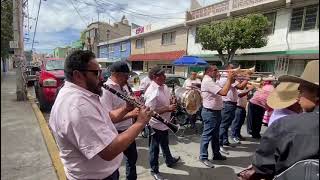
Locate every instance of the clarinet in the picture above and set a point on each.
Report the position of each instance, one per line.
(174, 128)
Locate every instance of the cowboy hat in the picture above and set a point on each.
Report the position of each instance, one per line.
(284, 95)
(310, 75)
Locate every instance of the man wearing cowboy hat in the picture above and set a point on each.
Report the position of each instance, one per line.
(284, 101)
(294, 137)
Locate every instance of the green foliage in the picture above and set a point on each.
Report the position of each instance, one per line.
(6, 27)
(83, 38)
(229, 35)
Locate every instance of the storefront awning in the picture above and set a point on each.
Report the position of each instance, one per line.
(162, 56)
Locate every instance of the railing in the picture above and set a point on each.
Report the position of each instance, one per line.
(214, 9)
(239, 4)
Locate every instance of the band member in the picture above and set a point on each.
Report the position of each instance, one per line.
(211, 93)
(118, 81)
(90, 146)
(240, 114)
(229, 108)
(145, 82)
(157, 97)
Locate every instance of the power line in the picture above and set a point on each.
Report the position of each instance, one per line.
(78, 13)
(35, 29)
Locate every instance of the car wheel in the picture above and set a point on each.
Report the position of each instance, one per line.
(44, 105)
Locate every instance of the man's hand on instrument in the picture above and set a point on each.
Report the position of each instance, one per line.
(129, 107)
(144, 115)
(134, 113)
(231, 75)
(172, 107)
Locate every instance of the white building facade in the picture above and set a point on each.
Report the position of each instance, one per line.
(293, 35)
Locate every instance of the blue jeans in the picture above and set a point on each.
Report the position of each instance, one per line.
(159, 138)
(131, 156)
(228, 113)
(211, 121)
(238, 121)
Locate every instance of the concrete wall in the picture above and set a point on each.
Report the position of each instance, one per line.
(152, 42)
(278, 41)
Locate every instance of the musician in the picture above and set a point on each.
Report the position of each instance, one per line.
(157, 97)
(121, 119)
(191, 83)
(145, 82)
(90, 146)
(229, 108)
(211, 93)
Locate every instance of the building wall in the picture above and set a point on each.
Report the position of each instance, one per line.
(104, 51)
(152, 42)
(60, 52)
(278, 41)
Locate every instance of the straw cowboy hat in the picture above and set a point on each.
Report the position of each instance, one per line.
(310, 75)
(284, 95)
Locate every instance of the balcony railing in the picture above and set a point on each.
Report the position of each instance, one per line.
(214, 9)
(224, 7)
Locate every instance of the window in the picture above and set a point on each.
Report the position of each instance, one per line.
(168, 38)
(139, 43)
(111, 48)
(305, 18)
(123, 46)
(272, 20)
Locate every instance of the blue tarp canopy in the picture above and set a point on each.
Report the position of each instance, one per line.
(190, 61)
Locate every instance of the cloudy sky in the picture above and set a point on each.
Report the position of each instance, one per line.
(61, 21)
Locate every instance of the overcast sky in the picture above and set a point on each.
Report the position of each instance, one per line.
(59, 23)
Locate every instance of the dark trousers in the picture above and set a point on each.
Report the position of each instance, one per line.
(238, 121)
(227, 113)
(159, 138)
(131, 156)
(211, 122)
(254, 119)
(114, 176)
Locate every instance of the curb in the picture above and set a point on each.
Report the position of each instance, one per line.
(49, 140)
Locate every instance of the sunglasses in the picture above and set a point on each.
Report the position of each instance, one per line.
(96, 72)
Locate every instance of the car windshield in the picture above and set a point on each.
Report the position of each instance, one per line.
(54, 65)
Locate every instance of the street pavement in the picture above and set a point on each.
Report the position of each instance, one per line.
(24, 154)
(187, 147)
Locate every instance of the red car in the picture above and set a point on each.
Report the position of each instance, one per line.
(50, 77)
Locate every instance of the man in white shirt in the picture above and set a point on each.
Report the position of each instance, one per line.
(145, 82)
(229, 108)
(192, 81)
(118, 81)
(89, 144)
(211, 94)
(157, 97)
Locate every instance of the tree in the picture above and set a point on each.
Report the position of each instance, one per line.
(227, 36)
(6, 28)
(83, 38)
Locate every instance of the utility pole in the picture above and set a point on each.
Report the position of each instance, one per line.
(21, 90)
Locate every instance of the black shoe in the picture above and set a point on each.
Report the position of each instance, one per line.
(173, 162)
(157, 176)
(207, 163)
(219, 157)
(241, 138)
(256, 136)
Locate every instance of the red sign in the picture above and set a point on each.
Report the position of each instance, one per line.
(140, 30)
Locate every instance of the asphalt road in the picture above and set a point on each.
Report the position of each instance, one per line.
(187, 147)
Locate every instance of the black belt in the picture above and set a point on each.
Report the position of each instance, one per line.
(230, 102)
(211, 109)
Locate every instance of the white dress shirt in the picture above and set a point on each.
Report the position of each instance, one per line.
(156, 97)
(209, 93)
(145, 82)
(82, 128)
(189, 83)
(112, 102)
(242, 102)
(232, 93)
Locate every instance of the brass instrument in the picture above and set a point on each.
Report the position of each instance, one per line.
(241, 74)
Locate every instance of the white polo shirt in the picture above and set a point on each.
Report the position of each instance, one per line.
(156, 97)
(82, 128)
(112, 102)
(209, 93)
(232, 93)
(188, 83)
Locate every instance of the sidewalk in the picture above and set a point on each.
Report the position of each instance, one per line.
(24, 153)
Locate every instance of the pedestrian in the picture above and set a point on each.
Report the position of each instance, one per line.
(284, 100)
(292, 138)
(229, 108)
(157, 97)
(122, 121)
(257, 107)
(89, 144)
(211, 94)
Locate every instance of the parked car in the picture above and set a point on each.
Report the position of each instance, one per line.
(50, 77)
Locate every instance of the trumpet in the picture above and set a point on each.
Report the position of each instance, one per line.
(241, 74)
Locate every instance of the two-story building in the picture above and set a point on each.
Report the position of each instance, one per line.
(159, 47)
(114, 50)
(98, 32)
(293, 35)
(60, 52)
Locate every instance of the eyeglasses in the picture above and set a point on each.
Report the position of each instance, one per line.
(215, 70)
(96, 72)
